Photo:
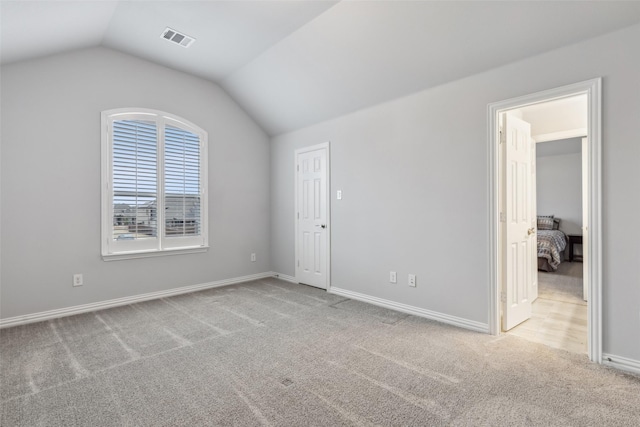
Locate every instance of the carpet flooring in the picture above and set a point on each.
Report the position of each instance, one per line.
(271, 353)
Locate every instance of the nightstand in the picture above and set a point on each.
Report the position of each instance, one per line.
(574, 239)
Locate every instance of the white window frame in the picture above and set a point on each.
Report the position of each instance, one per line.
(115, 250)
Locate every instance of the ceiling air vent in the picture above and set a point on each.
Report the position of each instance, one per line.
(176, 37)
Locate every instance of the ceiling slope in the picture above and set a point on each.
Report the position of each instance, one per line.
(228, 34)
(291, 64)
(30, 29)
(359, 54)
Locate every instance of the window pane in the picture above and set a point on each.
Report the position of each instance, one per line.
(181, 182)
(134, 179)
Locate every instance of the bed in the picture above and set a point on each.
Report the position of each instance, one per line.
(552, 243)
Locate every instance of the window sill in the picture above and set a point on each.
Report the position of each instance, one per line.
(154, 253)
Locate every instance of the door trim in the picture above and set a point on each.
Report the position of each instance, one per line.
(593, 89)
(327, 147)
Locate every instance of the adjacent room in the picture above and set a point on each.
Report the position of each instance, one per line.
(287, 213)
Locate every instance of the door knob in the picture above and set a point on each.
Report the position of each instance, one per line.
(321, 225)
(531, 231)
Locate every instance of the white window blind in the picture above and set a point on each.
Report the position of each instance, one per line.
(135, 167)
(154, 198)
(181, 182)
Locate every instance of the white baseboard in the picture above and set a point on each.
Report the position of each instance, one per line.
(416, 311)
(70, 311)
(622, 363)
(285, 277)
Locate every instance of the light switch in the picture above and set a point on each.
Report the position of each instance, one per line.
(339, 195)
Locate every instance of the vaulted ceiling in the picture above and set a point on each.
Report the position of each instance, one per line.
(291, 64)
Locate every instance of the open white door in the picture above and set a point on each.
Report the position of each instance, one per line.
(312, 219)
(519, 227)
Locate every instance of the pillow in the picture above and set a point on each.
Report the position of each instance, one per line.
(545, 222)
(556, 223)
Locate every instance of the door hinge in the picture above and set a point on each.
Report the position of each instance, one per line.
(503, 297)
(502, 137)
(298, 168)
(502, 218)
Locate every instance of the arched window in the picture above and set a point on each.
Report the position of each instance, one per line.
(154, 172)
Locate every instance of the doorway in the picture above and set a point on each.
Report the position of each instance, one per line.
(497, 228)
(312, 216)
(558, 316)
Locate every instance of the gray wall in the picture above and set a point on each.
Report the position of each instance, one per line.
(559, 183)
(414, 173)
(51, 180)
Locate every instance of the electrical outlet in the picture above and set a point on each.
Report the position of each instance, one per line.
(77, 280)
(412, 280)
(392, 277)
(253, 257)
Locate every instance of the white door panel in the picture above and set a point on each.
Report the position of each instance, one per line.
(519, 229)
(312, 218)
